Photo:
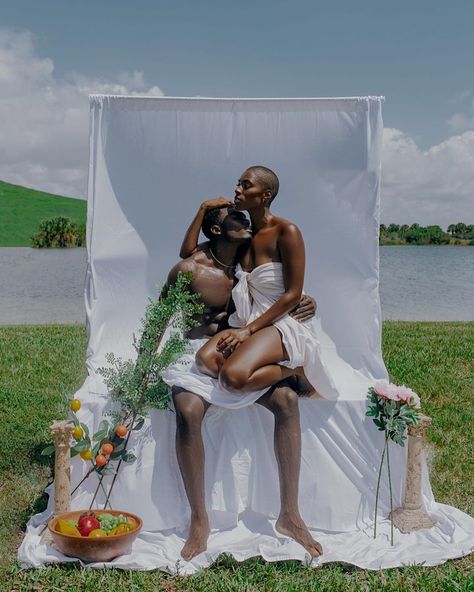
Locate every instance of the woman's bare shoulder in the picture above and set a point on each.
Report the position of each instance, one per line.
(286, 226)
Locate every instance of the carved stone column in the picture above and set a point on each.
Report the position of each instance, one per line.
(413, 516)
(61, 432)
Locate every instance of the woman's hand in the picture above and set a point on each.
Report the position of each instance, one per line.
(231, 339)
(190, 242)
(216, 202)
(305, 310)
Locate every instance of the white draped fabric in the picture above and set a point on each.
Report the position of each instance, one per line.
(153, 160)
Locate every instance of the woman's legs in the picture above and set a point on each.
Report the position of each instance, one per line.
(254, 364)
(208, 360)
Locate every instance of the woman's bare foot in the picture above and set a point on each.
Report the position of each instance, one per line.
(292, 525)
(197, 539)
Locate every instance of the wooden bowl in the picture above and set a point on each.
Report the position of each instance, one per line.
(94, 549)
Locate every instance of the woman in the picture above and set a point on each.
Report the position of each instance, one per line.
(265, 348)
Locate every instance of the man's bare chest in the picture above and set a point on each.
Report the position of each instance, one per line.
(213, 285)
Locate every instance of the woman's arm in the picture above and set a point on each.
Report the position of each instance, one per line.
(191, 238)
(291, 246)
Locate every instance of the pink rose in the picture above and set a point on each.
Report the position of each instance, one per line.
(408, 396)
(386, 390)
(405, 393)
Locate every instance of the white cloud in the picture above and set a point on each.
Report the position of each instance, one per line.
(44, 127)
(461, 122)
(434, 186)
(463, 119)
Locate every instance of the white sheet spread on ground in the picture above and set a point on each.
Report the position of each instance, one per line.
(153, 161)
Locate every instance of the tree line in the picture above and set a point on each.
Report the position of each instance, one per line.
(403, 234)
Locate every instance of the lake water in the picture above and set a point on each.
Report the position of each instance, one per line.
(416, 283)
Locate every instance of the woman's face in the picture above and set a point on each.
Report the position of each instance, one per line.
(249, 192)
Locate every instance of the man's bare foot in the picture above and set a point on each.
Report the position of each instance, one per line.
(292, 525)
(197, 539)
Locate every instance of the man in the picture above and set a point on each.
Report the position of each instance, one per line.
(212, 265)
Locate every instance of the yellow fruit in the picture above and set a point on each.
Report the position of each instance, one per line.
(86, 455)
(75, 405)
(97, 532)
(78, 433)
(65, 527)
(120, 529)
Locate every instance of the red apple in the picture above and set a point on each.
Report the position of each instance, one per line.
(87, 524)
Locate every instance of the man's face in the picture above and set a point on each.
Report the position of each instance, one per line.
(234, 225)
(249, 192)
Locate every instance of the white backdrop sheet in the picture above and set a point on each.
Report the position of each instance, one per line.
(153, 161)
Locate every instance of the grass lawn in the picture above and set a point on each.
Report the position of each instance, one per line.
(38, 365)
(22, 209)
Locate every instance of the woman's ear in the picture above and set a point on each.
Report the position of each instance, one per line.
(267, 197)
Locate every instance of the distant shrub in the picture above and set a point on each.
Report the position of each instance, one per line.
(81, 235)
(59, 232)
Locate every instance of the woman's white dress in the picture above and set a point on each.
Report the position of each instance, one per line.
(306, 344)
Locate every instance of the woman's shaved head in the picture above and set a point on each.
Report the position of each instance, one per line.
(267, 178)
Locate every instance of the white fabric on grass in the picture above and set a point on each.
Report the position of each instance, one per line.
(153, 160)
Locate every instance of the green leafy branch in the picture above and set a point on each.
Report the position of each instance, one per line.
(136, 385)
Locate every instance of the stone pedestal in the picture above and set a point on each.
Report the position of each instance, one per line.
(61, 431)
(412, 515)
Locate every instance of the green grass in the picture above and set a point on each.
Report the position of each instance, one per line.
(39, 364)
(22, 209)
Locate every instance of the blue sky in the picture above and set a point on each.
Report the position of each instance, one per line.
(418, 54)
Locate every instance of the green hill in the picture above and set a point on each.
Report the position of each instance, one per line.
(22, 209)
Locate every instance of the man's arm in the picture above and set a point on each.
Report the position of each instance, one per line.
(181, 266)
(190, 242)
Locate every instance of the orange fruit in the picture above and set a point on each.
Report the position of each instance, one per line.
(86, 455)
(100, 460)
(75, 405)
(97, 532)
(107, 448)
(78, 433)
(121, 430)
(120, 529)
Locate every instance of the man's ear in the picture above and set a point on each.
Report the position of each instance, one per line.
(216, 229)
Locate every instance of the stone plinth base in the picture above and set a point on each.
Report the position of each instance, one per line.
(46, 537)
(407, 520)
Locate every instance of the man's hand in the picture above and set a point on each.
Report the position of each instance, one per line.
(305, 310)
(216, 202)
(231, 339)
